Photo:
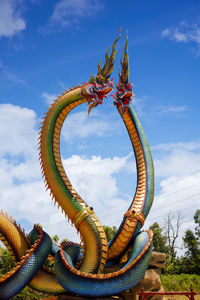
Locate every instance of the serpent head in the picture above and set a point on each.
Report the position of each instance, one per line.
(124, 93)
(134, 215)
(96, 92)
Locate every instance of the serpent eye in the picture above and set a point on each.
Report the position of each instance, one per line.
(133, 211)
(91, 208)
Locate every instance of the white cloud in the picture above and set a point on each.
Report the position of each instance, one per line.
(177, 194)
(176, 108)
(175, 111)
(178, 159)
(81, 125)
(13, 77)
(180, 37)
(10, 75)
(93, 177)
(139, 104)
(184, 33)
(11, 21)
(165, 32)
(16, 125)
(178, 168)
(48, 97)
(68, 13)
(23, 194)
(189, 146)
(142, 108)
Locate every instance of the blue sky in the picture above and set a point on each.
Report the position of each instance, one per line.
(48, 46)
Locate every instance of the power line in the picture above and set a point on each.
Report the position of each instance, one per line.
(114, 221)
(182, 200)
(180, 179)
(165, 196)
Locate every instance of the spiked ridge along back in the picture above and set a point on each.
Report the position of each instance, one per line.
(84, 269)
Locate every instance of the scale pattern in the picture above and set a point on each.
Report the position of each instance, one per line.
(84, 269)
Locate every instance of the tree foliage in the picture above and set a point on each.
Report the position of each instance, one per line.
(110, 232)
(55, 238)
(197, 222)
(159, 238)
(165, 238)
(6, 264)
(180, 282)
(172, 226)
(6, 261)
(192, 245)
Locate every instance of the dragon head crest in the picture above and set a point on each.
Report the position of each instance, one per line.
(104, 73)
(97, 88)
(124, 94)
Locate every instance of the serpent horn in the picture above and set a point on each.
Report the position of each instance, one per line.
(124, 75)
(105, 72)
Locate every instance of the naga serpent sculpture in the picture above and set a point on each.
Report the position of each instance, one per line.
(84, 269)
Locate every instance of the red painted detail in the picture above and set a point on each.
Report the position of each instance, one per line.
(146, 294)
(127, 230)
(129, 226)
(116, 242)
(122, 241)
(139, 153)
(124, 235)
(141, 187)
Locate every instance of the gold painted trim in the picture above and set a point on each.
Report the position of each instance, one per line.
(81, 215)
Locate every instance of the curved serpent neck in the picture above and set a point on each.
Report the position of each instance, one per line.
(61, 190)
(143, 198)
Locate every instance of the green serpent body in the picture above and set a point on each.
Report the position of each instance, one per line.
(90, 276)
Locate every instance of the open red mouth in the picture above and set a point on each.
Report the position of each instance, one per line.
(123, 96)
(103, 92)
(97, 92)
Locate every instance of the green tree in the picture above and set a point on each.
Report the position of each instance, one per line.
(197, 222)
(192, 244)
(6, 264)
(64, 240)
(159, 238)
(55, 238)
(6, 261)
(162, 240)
(110, 232)
(171, 228)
